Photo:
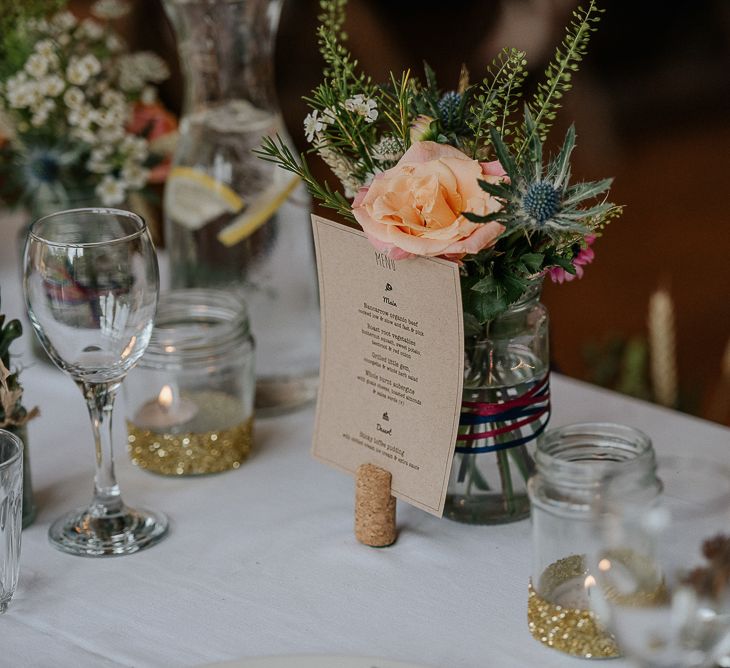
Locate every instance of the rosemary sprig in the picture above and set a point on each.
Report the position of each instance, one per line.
(275, 150)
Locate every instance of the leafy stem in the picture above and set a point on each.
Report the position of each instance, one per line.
(275, 150)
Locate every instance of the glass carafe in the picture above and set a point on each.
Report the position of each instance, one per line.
(232, 220)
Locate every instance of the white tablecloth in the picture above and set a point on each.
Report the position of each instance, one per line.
(263, 561)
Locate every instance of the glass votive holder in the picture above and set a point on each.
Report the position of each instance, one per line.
(11, 501)
(189, 400)
(571, 463)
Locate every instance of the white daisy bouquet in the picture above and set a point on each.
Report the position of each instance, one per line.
(69, 95)
(459, 173)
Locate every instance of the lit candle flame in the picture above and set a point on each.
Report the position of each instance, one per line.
(589, 582)
(165, 397)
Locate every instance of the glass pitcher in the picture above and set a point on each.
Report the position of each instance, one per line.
(232, 220)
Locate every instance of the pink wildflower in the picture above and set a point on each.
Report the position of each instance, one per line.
(585, 256)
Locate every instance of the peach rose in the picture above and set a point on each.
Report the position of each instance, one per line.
(415, 207)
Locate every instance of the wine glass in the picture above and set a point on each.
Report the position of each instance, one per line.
(663, 567)
(91, 284)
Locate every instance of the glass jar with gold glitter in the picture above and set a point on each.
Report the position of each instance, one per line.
(571, 463)
(189, 401)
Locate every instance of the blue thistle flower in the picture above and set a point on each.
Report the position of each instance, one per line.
(42, 169)
(541, 201)
(539, 198)
(448, 107)
(43, 166)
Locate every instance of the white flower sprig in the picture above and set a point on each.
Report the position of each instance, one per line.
(73, 96)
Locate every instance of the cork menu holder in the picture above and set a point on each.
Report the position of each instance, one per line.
(391, 375)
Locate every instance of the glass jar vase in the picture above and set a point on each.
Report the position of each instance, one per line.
(190, 398)
(572, 462)
(505, 406)
(232, 220)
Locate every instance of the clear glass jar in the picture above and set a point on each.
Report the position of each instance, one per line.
(505, 406)
(571, 462)
(189, 400)
(29, 507)
(232, 220)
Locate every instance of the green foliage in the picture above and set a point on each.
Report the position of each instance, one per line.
(9, 332)
(559, 73)
(360, 129)
(276, 151)
(14, 46)
(495, 99)
(397, 101)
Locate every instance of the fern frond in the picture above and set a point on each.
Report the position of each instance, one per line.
(496, 97)
(559, 73)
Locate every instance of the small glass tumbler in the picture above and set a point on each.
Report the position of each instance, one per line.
(190, 399)
(572, 462)
(11, 514)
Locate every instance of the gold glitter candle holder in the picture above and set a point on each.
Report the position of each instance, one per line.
(190, 398)
(571, 463)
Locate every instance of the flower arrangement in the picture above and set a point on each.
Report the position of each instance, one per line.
(461, 173)
(70, 94)
(13, 415)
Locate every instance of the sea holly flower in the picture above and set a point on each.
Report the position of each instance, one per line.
(448, 107)
(41, 166)
(538, 198)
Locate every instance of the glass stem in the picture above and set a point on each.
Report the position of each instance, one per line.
(100, 402)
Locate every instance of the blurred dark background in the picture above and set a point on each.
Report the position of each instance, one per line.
(651, 108)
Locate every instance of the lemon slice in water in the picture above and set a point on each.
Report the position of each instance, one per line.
(258, 211)
(193, 198)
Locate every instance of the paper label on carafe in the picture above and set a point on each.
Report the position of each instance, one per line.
(193, 198)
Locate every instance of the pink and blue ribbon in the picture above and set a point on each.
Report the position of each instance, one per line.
(507, 417)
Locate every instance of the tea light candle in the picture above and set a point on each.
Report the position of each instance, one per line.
(166, 411)
(190, 398)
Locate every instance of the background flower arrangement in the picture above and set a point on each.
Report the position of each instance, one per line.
(77, 110)
(13, 415)
(366, 132)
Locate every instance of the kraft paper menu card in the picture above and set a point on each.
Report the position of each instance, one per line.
(392, 363)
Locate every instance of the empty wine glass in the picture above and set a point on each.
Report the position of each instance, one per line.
(91, 284)
(663, 567)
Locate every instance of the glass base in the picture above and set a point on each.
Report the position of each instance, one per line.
(82, 533)
(486, 508)
(276, 395)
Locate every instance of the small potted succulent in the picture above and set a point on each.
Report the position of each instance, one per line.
(14, 416)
